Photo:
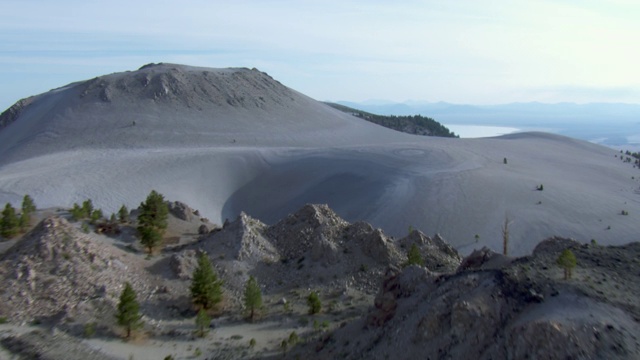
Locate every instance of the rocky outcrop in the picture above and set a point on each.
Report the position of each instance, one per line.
(554, 245)
(396, 284)
(54, 268)
(496, 307)
(242, 240)
(310, 227)
(183, 264)
(373, 243)
(438, 255)
(181, 210)
(13, 113)
(484, 259)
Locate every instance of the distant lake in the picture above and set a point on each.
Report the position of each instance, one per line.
(479, 131)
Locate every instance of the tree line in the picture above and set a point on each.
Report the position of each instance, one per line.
(412, 124)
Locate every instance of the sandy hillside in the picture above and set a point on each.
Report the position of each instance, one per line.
(231, 140)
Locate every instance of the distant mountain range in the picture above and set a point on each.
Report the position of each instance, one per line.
(612, 124)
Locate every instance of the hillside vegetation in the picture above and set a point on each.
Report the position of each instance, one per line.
(411, 124)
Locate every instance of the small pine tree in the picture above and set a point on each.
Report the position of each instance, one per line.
(10, 223)
(24, 221)
(252, 297)
(203, 320)
(96, 215)
(28, 208)
(28, 205)
(414, 257)
(128, 313)
(313, 300)
(113, 219)
(293, 338)
(76, 212)
(152, 221)
(567, 261)
(206, 289)
(87, 208)
(123, 214)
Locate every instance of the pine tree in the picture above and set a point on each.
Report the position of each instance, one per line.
(252, 297)
(24, 221)
(123, 214)
(206, 289)
(203, 320)
(414, 257)
(87, 208)
(314, 303)
(567, 261)
(28, 205)
(128, 315)
(152, 221)
(28, 208)
(96, 215)
(76, 212)
(10, 222)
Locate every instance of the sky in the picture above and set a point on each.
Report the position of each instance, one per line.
(462, 51)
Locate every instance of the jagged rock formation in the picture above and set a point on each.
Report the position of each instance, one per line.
(438, 255)
(56, 271)
(311, 228)
(486, 304)
(310, 246)
(181, 210)
(522, 309)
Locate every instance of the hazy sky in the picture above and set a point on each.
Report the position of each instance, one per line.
(462, 51)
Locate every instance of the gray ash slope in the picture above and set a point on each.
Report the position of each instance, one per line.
(171, 105)
(232, 140)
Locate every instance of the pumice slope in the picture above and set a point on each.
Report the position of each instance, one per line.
(232, 140)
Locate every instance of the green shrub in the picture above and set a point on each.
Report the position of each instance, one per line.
(293, 338)
(567, 261)
(89, 329)
(414, 257)
(313, 300)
